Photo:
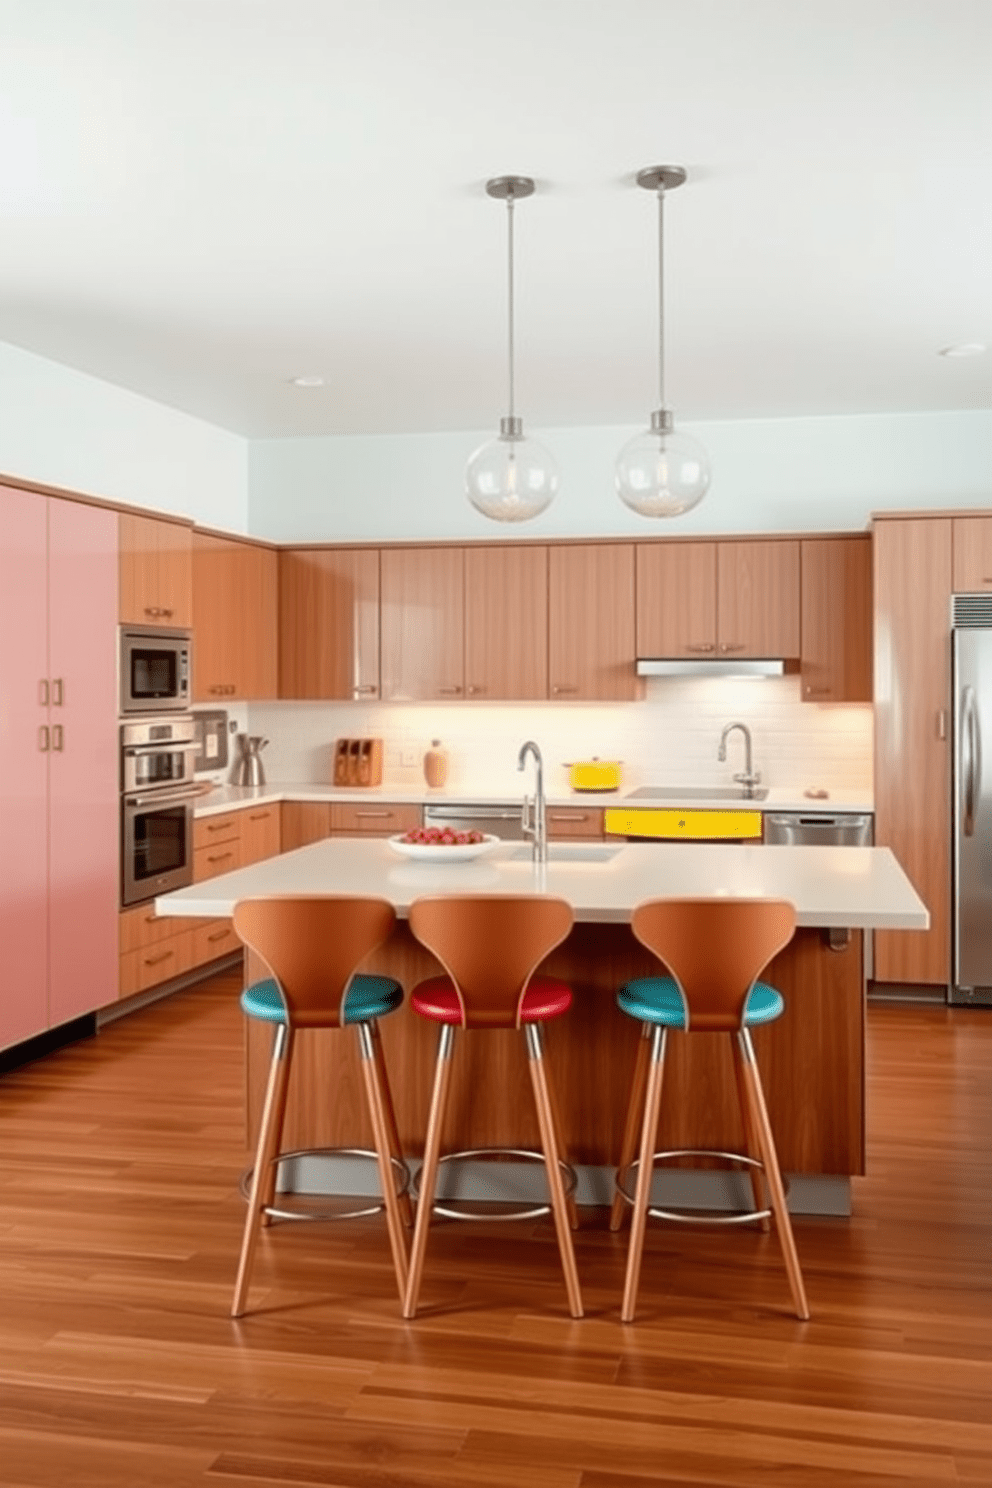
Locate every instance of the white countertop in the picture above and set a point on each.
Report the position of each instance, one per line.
(832, 887)
(779, 798)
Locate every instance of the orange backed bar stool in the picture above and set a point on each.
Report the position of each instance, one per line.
(715, 950)
(490, 946)
(311, 945)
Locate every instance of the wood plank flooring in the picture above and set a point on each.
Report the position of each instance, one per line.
(120, 1368)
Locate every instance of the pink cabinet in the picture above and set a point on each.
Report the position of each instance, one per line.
(59, 805)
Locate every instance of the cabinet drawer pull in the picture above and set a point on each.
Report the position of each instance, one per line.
(564, 687)
(43, 738)
(156, 960)
(453, 691)
(219, 935)
(704, 646)
(219, 857)
(260, 816)
(58, 741)
(218, 826)
(375, 813)
(367, 689)
(569, 816)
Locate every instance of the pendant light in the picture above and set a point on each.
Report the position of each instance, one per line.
(661, 472)
(511, 478)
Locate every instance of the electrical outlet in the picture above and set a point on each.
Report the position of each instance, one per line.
(408, 756)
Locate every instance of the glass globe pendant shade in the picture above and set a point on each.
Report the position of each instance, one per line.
(511, 478)
(662, 472)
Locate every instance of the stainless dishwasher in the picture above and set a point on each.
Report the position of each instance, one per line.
(818, 828)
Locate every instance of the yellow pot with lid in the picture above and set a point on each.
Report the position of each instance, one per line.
(594, 774)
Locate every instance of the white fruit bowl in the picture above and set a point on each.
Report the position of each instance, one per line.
(444, 852)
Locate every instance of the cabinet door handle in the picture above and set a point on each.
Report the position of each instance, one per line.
(260, 816)
(152, 610)
(453, 691)
(43, 738)
(219, 935)
(58, 742)
(43, 692)
(560, 687)
(704, 646)
(157, 960)
(474, 688)
(366, 689)
(57, 692)
(733, 646)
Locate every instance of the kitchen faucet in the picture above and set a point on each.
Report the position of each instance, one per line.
(533, 816)
(748, 777)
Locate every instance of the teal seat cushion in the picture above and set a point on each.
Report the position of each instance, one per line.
(368, 997)
(658, 1000)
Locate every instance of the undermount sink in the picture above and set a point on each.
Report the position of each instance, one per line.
(569, 852)
(683, 793)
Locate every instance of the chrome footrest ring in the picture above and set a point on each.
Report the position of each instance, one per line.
(400, 1170)
(738, 1159)
(489, 1212)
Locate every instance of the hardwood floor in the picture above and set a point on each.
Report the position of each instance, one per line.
(120, 1368)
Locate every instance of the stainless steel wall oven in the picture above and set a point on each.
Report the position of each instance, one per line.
(158, 757)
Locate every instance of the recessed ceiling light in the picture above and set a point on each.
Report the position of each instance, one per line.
(308, 381)
(964, 349)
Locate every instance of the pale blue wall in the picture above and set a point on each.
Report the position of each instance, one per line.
(816, 474)
(63, 428)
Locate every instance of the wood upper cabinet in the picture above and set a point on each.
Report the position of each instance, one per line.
(329, 623)
(591, 652)
(757, 598)
(718, 599)
(235, 617)
(156, 571)
(676, 599)
(836, 638)
(912, 581)
(506, 622)
(422, 618)
(972, 547)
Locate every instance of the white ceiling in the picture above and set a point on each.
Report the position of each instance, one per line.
(201, 199)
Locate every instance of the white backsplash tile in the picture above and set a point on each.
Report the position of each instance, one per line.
(671, 737)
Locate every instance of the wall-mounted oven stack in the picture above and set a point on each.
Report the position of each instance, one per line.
(158, 755)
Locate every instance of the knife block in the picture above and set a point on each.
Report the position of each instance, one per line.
(358, 762)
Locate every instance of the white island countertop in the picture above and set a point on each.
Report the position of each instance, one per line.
(831, 887)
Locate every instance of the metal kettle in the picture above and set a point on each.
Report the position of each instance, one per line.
(249, 768)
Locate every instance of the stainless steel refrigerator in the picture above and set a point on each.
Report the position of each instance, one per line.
(971, 647)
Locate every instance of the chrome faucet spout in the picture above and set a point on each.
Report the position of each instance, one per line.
(533, 816)
(748, 777)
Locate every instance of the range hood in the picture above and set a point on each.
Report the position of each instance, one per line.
(723, 666)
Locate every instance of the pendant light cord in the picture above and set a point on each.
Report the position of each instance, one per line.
(509, 296)
(661, 295)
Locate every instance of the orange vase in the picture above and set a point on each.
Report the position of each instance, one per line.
(435, 765)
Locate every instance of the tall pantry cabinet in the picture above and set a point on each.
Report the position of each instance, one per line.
(59, 803)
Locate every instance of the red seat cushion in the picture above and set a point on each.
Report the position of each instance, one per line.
(545, 998)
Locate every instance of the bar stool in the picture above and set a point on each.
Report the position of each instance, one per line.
(490, 947)
(715, 949)
(311, 945)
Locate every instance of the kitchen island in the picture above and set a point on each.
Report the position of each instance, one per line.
(812, 1058)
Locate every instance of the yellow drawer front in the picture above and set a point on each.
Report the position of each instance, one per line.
(687, 826)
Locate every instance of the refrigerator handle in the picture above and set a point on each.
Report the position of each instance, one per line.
(973, 773)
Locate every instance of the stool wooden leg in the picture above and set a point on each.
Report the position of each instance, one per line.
(573, 1213)
(380, 1128)
(428, 1172)
(773, 1177)
(645, 1172)
(635, 1107)
(275, 1101)
(272, 1168)
(546, 1121)
(395, 1147)
(751, 1146)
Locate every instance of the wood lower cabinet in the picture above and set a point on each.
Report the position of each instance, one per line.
(304, 822)
(912, 580)
(156, 571)
(724, 599)
(591, 619)
(506, 623)
(329, 623)
(235, 619)
(422, 623)
(378, 819)
(836, 635)
(584, 823)
(59, 793)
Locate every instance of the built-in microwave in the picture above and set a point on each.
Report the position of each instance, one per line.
(156, 670)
